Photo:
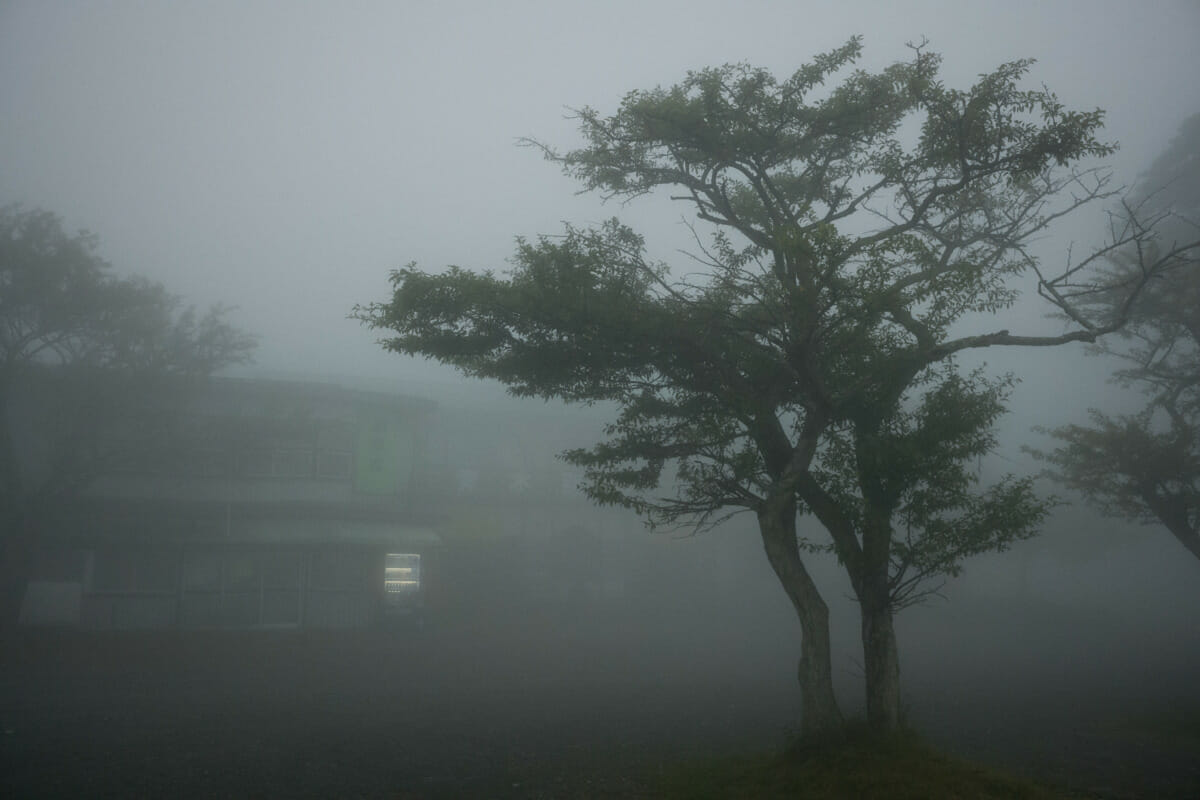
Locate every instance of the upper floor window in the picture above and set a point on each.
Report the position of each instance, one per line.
(278, 464)
(334, 465)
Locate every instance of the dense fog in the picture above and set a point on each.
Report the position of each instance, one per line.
(281, 159)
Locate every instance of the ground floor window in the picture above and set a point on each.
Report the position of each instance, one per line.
(242, 588)
(207, 585)
(134, 571)
(402, 573)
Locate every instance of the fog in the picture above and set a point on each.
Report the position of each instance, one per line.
(282, 158)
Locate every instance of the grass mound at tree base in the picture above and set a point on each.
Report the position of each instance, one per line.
(858, 765)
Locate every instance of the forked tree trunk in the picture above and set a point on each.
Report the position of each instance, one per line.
(820, 714)
(881, 660)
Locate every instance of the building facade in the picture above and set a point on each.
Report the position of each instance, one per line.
(267, 504)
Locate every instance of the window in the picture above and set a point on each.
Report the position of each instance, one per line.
(202, 572)
(281, 570)
(114, 572)
(241, 572)
(467, 481)
(206, 462)
(403, 573)
(57, 564)
(333, 465)
(332, 569)
(256, 463)
(242, 589)
(293, 464)
(157, 572)
(133, 571)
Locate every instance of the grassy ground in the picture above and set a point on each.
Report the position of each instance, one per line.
(861, 766)
(1178, 727)
(497, 713)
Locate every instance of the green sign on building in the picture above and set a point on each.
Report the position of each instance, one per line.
(383, 453)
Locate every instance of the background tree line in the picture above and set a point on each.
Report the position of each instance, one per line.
(92, 365)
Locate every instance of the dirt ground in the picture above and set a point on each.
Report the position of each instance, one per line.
(531, 708)
(454, 711)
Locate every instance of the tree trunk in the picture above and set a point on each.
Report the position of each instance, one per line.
(820, 714)
(14, 546)
(16, 549)
(881, 659)
(1173, 513)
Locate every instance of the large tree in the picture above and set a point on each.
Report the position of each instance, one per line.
(89, 363)
(1146, 466)
(808, 366)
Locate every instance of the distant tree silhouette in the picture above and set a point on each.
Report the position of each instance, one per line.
(1146, 466)
(87, 361)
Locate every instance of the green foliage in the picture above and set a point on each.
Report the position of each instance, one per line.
(1128, 466)
(84, 352)
(566, 323)
(1146, 466)
(1119, 462)
(810, 362)
(917, 470)
(1173, 180)
(60, 305)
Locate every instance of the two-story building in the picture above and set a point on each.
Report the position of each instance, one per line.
(298, 504)
(266, 504)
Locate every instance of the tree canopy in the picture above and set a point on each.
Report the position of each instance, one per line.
(1146, 466)
(808, 365)
(82, 351)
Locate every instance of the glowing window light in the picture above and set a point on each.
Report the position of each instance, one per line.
(402, 573)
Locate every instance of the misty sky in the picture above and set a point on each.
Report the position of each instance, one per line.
(283, 157)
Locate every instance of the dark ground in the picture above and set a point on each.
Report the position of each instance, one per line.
(536, 707)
